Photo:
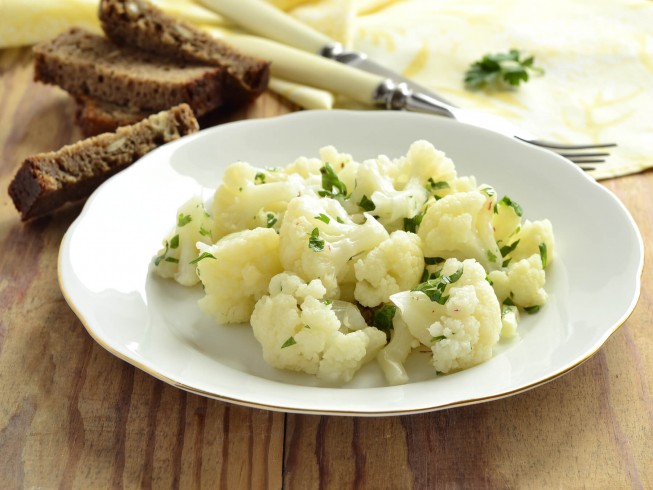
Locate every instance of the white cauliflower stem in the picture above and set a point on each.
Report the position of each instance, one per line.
(299, 331)
(462, 324)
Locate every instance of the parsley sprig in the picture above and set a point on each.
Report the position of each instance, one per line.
(501, 70)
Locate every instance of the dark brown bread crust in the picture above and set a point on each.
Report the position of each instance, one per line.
(47, 181)
(139, 23)
(87, 65)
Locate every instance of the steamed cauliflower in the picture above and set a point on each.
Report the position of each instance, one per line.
(246, 200)
(335, 262)
(522, 283)
(396, 190)
(456, 314)
(318, 239)
(395, 265)
(175, 260)
(236, 271)
(298, 330)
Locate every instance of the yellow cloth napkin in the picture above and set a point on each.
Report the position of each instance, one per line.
(597, 56)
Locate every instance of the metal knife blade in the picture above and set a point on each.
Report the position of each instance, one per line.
(265, 20)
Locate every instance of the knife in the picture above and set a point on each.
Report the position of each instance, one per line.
(299, 66)
(261, 18)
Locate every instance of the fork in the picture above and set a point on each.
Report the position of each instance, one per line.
(398, 96)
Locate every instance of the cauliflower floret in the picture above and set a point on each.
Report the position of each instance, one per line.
(299, 331)
(395, 265)
(397, 190)
(460, 225)
(236, 272)
(246, 198)
(175, 260)
(535, 238)
(522, 282)
(343, 163)
(424, 164)
(319, 240)
(375, 191)
(455, 314)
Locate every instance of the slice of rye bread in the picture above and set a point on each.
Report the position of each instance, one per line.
(47, 181)
(140, 24)
(95, 117)
(88, 65)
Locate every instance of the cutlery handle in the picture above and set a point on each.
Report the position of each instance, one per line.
(268, 21)
(310, 69)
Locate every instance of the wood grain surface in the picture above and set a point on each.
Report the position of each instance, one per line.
(74, 416)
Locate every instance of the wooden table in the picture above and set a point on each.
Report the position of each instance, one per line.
(73, 415)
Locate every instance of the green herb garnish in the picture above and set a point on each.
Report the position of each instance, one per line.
(501, 70)
(543, 254)
(506, 201)
(435, 286)
(183, 219)
(412, 224)
(323, 218)
(270, 220)
(366, 204)
(174, 241)
(259, 178)
(382, 318)
(290, 341)
(315, 243)
(203, 255)
(437, 338)
(531, 310)
(332, 186)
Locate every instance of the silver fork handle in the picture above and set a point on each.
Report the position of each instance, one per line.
(398, 96)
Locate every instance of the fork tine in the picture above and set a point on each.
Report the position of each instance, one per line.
(584, 155)
(562, 146)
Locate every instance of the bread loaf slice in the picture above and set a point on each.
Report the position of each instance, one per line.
(138, 23)
(47, 181)
(94, 116)
(88, 65)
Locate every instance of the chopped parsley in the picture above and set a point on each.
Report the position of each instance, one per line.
(506, 201)
(164, 255)
(315, 243)
(382, 318)
(434, 260)
(531, 310)
(332, 186)
(366, 204)
(174, 241)
(323, 217)
(259, 178)
(289, 341)
(412, 224)
(501, 70)
(435, 286)
(437, 338)
(183, 219)
(205, 232)
(270, 220)
(543, 254)
(202, 256)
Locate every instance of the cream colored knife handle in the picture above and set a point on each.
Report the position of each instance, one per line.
(261, 18)
(310, 69)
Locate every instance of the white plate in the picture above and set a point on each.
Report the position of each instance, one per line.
(105, 265)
